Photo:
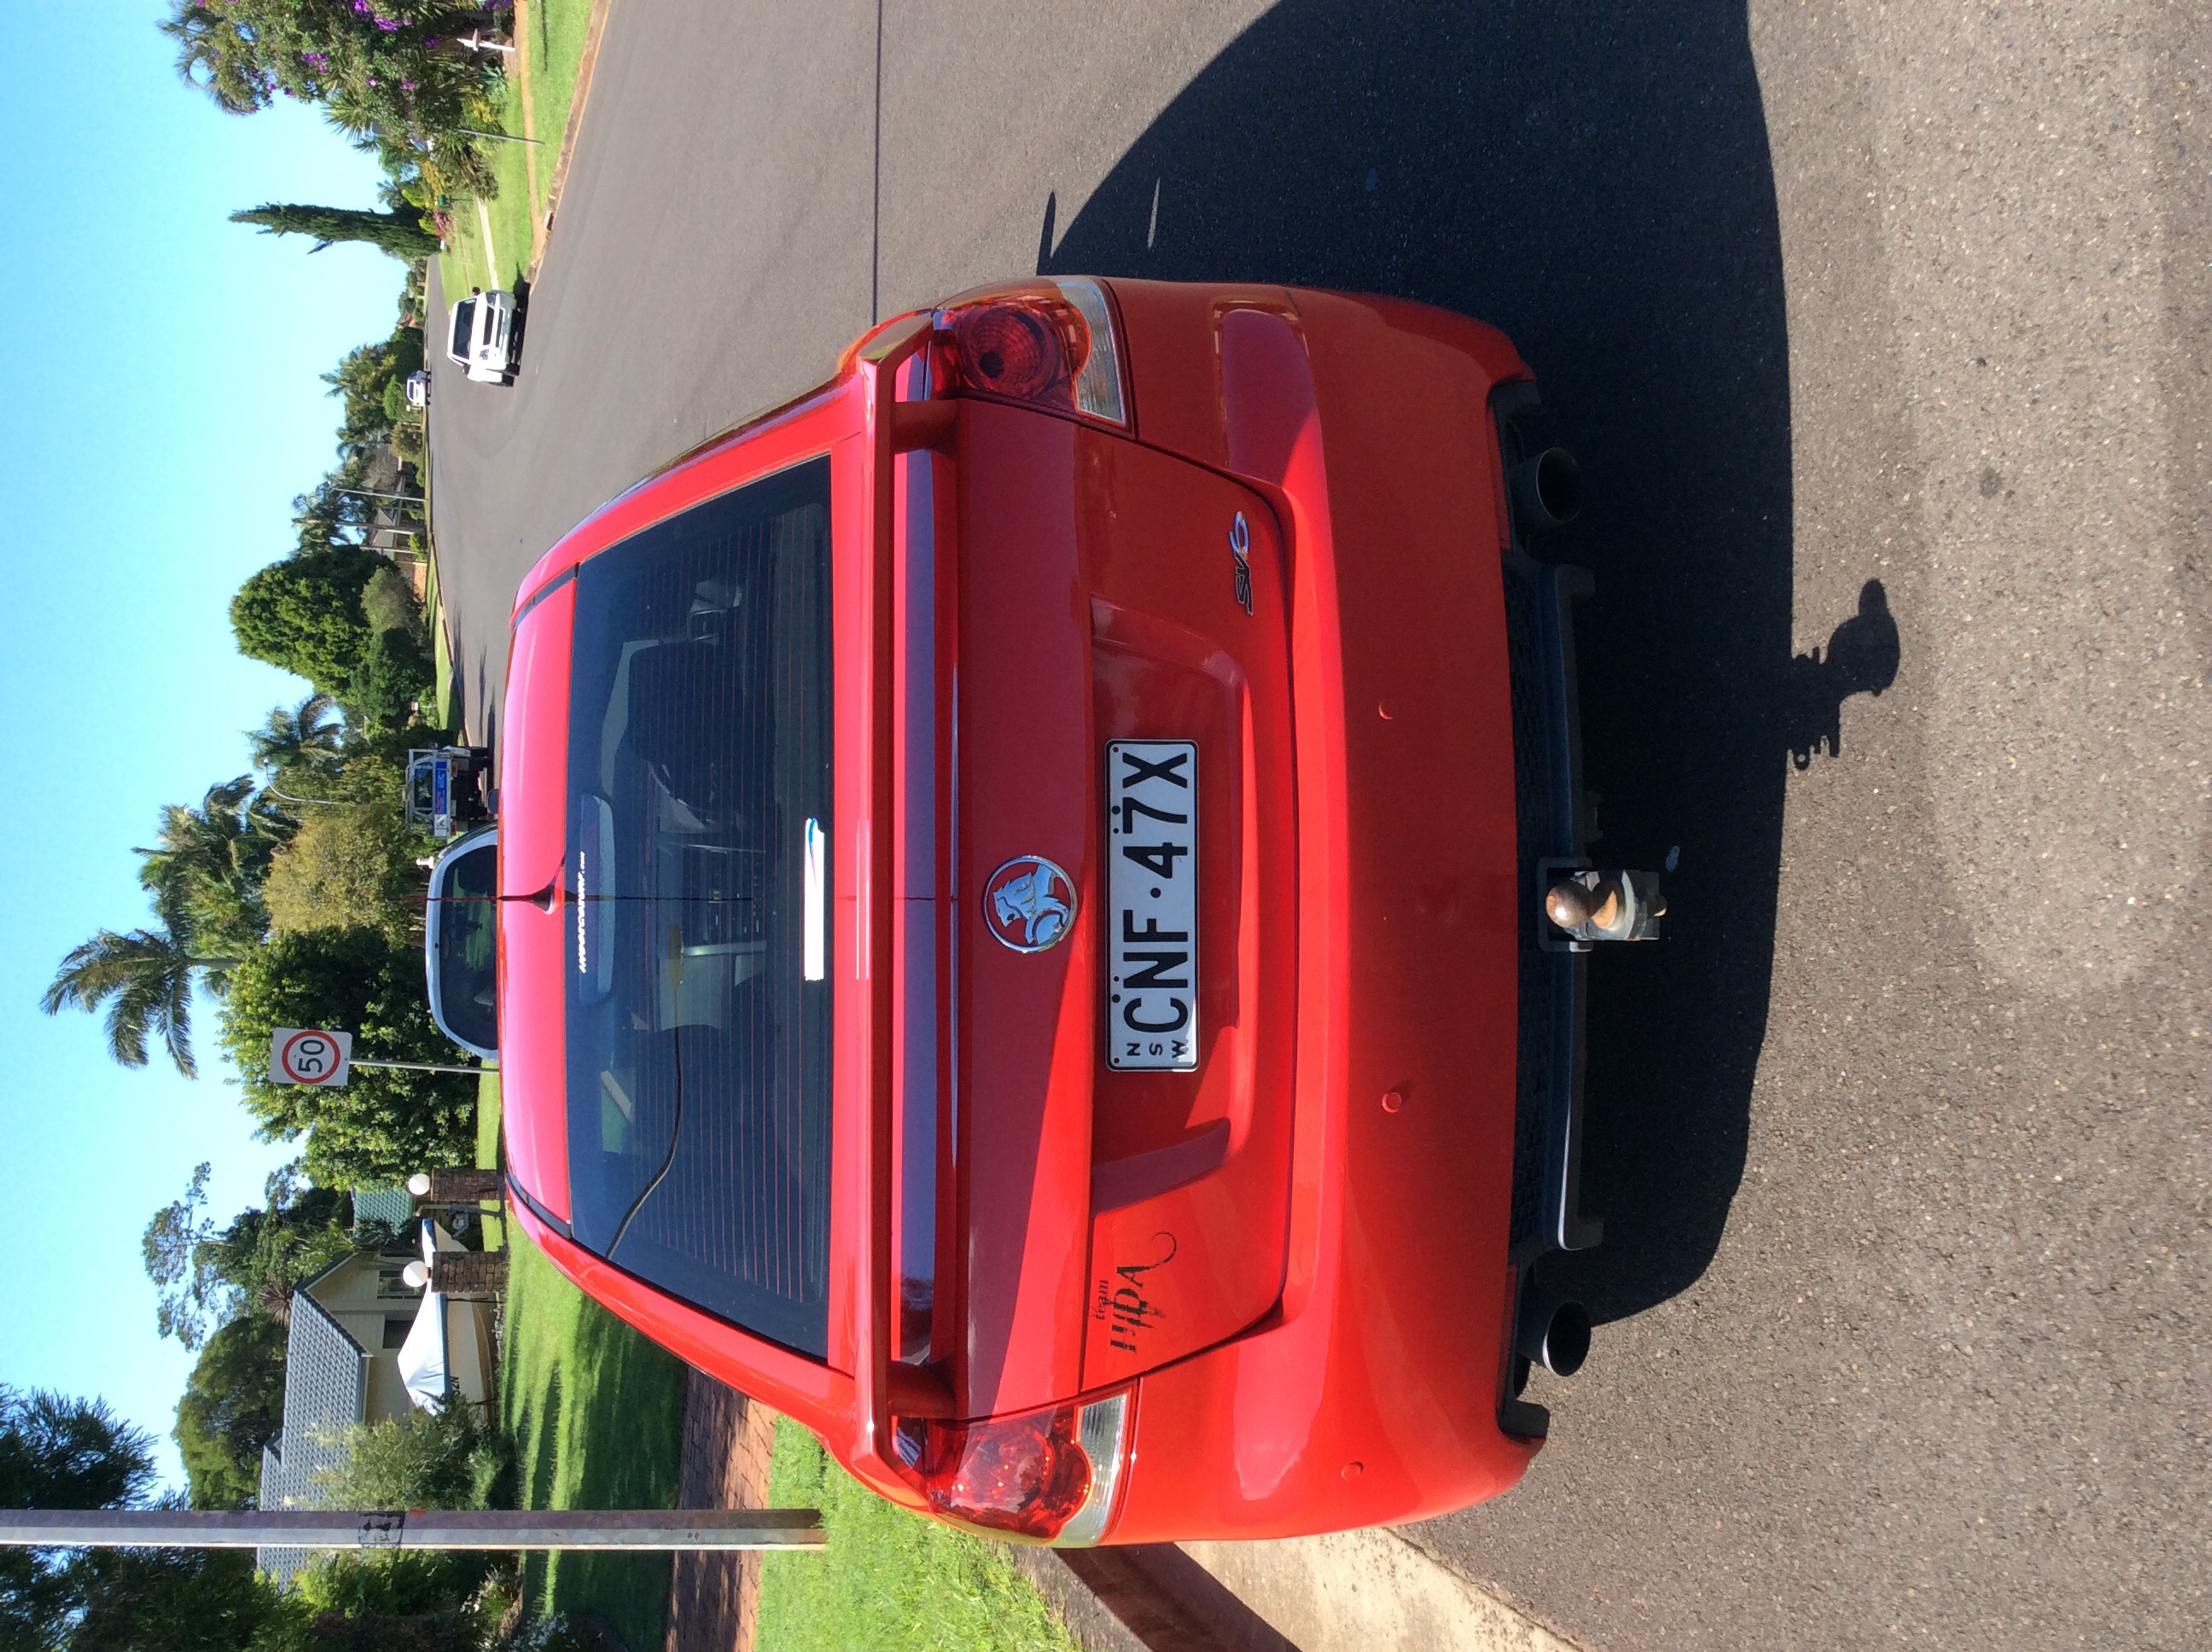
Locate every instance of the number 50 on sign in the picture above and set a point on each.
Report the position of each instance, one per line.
(309, 1056)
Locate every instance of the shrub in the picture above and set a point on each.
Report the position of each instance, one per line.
(344, 868)
(389, 601)
(304, 614)
(394, 673)
(422, 1460)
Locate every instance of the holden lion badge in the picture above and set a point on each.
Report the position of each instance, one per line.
(1030, 903)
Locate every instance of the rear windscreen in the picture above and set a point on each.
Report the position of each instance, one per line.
(698, 1006)
(468, 922)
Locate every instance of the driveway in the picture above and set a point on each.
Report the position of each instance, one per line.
(1881, 334)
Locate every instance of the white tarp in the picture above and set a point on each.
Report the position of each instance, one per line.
(424, 1363)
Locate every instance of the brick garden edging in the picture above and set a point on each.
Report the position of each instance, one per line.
(714, 1600)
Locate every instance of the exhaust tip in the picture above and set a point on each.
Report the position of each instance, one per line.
(1547, 490)
(1554, 1333)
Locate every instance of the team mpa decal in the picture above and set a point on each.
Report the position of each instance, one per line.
(1126, 1306)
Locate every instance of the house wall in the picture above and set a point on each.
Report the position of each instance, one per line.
(361, 1293)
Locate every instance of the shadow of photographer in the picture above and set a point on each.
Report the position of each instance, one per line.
(1862, 658)
(1598, 185)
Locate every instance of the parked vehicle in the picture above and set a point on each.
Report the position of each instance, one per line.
(1023, 943)
(460, 934)
(418, 388)
(481, 337)
(444, 788)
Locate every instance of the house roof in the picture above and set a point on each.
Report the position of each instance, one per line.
(325, 1388)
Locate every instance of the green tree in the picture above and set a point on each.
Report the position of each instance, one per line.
(145, 979)
(365, 378)
(232, 1406)
(382, 1125)
(393, 67)
(304, 738)
(203, 1279)
(191, 1297)
(209, 862)
(304, 614)
(268, 1254)
(345, 867)
(400, 234)
(395, 673)
(58, 1453)
(175, 1601)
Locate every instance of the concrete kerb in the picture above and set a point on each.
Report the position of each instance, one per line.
(1370, 1591)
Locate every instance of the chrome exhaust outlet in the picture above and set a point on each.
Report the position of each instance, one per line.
(1547, 490)
(1553, 1331)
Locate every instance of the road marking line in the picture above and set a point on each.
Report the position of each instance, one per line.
(491, 251)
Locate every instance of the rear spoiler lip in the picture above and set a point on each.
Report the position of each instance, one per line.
(882, 1386)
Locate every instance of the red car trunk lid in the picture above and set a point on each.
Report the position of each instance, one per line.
(1112, 1221)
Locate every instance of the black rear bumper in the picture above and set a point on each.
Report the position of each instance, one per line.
(1555, 830)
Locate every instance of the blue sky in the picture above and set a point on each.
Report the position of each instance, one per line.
(161, 405)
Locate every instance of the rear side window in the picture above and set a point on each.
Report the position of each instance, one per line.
(698, 1008)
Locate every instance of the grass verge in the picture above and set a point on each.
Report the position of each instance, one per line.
(888, 1578)
(441, 662)
(556, 47)
(524, 170)
(495, 1227)
(596, 1413)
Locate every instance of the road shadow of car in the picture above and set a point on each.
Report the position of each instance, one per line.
(1597, 183)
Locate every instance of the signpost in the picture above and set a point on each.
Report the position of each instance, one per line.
(324, 1059)
(309, 1056)
(414, 1528)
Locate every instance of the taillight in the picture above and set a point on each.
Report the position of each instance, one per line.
(1048, 344)
(1049, 1475)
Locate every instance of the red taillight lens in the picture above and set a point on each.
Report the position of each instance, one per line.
(1022, 1475)
(1042, 1475)
(1013, 349)
(1049, 344)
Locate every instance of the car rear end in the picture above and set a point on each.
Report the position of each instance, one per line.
(1146, 1162)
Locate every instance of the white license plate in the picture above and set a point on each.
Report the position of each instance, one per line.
(1152, 905)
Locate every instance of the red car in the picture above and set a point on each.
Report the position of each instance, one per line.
(1024, 944)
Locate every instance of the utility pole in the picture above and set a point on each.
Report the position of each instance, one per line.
(415, 1067)
(499, 1528)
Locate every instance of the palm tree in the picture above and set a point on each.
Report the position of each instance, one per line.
(205, 876)
(145, 979)
(305, 736)
(208, 845)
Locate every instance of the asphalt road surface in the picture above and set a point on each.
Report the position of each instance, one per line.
(1882, 334)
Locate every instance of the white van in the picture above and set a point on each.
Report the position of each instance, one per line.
(481, 335)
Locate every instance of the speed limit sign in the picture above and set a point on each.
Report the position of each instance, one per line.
(309, 1055)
